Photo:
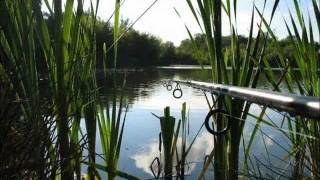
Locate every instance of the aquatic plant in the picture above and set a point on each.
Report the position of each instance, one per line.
(67, 46)
(184, 150)
(19, 68)
(302, 33)
(20, 152)
(226, 151)
(306, 55)
(175, 154)
(111, 128)
(169, 140)
(306, 58)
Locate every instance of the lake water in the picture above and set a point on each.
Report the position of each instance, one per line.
(146, 94)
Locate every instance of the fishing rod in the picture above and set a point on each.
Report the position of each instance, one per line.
(131, 25)
(304, 106)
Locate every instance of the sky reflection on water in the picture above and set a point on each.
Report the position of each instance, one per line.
(146, 95)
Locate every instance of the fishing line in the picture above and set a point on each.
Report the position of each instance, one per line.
(282, 121)
(188, 83)
(121, 35)
(285, 114)
(277, 128)
(210, 114)
(274, 141)
(274, 127)
(272, 170)
(114, 12)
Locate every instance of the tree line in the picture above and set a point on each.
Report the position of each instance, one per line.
(139, 49)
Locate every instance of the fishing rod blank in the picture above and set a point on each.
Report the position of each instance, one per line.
(304, 106)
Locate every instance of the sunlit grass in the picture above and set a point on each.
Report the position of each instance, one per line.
(68, 47)
(302, 34)
(226, 151)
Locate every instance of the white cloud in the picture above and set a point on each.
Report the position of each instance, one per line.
(163, 22)
(202, 147)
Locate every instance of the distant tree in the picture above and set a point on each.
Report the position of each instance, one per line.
(138, 49)
(168, 53)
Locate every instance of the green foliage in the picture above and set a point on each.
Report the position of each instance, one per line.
(111, 128)
(59, 45)
(169, 140)
(66, 44)
(168, 54)
(305, 57)
(139, 49)
(242, 55)
(116, 33)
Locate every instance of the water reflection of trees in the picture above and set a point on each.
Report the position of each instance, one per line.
(141, 83)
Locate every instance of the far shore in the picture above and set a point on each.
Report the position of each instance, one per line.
(173, 67)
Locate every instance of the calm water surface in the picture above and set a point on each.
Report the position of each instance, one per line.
(146, 94)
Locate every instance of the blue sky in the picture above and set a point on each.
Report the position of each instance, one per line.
(163, 22)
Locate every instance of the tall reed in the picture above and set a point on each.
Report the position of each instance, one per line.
(185, 146)
(111, 128)
(67, 47)
(184, 150)
(306, 56)
(302, 33)
(167, 124)
(19, 68)
(169, 139)
(226, 150)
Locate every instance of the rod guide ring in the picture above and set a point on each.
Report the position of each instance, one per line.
(207, 122)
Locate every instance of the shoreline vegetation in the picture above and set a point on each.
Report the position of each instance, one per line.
(49, 130)
(139, 49)
(185, 67)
